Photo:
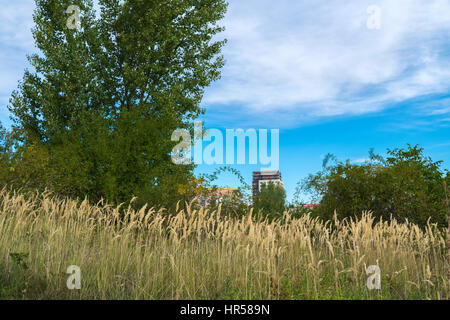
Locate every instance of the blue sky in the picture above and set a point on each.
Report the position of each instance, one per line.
(314, 70)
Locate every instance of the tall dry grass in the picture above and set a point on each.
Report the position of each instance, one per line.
(196, 254)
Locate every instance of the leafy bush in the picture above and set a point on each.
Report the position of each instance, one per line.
(405, 185)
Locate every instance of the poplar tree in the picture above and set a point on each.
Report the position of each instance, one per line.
(107, 89)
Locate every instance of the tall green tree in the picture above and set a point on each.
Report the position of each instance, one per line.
(106, 93)
(405, 185)
(270, 200)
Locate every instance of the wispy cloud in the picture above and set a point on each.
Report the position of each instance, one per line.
(361, 160)
(314, 59)
(438, 108)
(290, 61)
(16, 42)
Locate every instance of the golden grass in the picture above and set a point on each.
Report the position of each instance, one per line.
(196, 254)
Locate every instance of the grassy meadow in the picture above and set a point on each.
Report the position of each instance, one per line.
(196, 254)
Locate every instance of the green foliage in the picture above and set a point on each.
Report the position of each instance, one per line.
(405, 185)
(232, 205)
(237, 203)
(19, 259)
(22, 166)
(244, 188)
(270, 200)
(104, 99)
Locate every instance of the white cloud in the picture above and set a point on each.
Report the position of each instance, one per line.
(16, 22)
(16, 41)
(361, 160)
(438, 108)
(319, 59)
(297, 60)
